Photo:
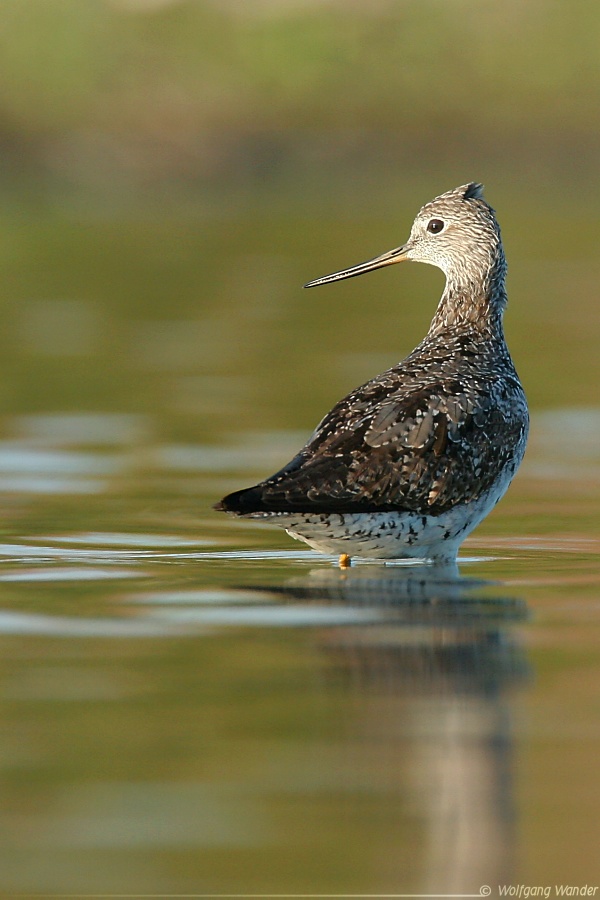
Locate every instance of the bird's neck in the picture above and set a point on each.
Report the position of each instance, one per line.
(473, 302)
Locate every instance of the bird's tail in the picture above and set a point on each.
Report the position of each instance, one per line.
(242, 502)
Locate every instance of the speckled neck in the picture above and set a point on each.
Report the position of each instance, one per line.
(474, 298)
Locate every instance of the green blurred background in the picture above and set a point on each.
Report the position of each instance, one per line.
(172, 172)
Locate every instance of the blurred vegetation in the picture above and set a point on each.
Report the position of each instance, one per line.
(135, 92)
(172, 172)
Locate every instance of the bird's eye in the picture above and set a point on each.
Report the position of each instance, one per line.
(435, 226)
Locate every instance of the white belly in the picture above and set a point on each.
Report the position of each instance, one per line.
(391, 535)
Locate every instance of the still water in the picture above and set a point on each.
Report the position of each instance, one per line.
(193, 705)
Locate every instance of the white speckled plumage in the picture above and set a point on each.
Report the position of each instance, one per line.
(409, 463)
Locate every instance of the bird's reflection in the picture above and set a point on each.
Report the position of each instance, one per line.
(433, 671)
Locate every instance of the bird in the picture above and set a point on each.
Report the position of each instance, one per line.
(409, 463)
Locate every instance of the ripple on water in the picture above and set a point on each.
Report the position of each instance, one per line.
(79, 573)
(200, 597)
(122, 539)
(58, 453)
(73, 627)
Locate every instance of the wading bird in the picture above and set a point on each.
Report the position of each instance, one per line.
(408, 464)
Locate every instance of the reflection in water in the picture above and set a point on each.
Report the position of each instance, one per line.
(434, 670)
(273, 721)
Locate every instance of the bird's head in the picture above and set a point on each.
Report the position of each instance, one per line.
(457, 232)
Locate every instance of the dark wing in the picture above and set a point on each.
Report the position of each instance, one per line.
(391, 447)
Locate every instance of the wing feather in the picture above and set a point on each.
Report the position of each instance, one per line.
(398, 443)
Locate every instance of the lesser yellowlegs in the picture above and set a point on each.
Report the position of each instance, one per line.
(408, 464)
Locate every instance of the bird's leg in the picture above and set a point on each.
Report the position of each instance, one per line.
(344, 561)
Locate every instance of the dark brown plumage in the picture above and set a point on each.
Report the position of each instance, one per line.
(438, 436)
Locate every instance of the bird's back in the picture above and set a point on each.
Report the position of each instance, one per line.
(438, 428)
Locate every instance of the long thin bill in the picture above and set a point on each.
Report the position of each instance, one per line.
(386, 259)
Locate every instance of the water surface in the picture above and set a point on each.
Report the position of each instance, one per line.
(195, 705)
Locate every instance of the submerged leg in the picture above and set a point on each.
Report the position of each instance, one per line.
(344, 561)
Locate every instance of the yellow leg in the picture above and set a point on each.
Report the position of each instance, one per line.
(344, 561)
